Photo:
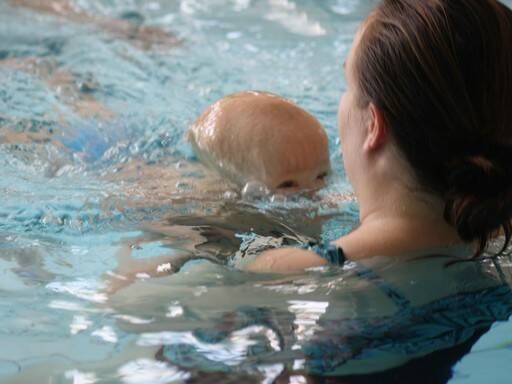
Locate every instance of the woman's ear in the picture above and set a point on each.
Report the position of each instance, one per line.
(377, 130)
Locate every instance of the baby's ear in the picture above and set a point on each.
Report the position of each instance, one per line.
(377, 130)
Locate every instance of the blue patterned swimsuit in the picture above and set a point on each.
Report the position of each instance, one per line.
(442, 324)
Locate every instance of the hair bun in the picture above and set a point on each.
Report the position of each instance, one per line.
(479, 194)
(483, 175)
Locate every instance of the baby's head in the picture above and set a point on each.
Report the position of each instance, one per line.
(261, 137)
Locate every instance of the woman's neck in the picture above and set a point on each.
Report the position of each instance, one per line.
(395, 220)
(398, 201)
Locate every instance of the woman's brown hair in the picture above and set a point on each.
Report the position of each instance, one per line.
(441, 73)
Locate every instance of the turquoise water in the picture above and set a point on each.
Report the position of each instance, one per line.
(91, 199)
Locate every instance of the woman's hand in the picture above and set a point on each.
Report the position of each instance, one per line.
(285, 260)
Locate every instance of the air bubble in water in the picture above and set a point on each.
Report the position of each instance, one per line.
(230, 195)
(255, 190)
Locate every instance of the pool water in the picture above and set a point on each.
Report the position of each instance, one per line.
(99, 186)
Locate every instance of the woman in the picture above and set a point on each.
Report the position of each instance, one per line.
(426, 133)
(425, 146)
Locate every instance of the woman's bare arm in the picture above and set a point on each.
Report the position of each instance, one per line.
(285, 260)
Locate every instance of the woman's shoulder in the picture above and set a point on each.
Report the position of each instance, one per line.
(385, 239)
(393, 238)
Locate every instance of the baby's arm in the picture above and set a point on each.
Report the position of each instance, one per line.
(130, 269)
(183, 240)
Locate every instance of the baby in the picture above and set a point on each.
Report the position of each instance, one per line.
(257, 137)
(248, 137)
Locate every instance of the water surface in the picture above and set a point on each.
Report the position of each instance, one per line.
(96, 177)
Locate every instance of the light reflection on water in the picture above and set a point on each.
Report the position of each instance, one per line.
(95, 171)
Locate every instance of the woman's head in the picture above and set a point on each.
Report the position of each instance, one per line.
(439, 73)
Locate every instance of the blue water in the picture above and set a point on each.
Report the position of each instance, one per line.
(97, 180)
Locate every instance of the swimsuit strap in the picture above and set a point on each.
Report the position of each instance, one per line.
(501, 274)
(391, 292)
(335, 256)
